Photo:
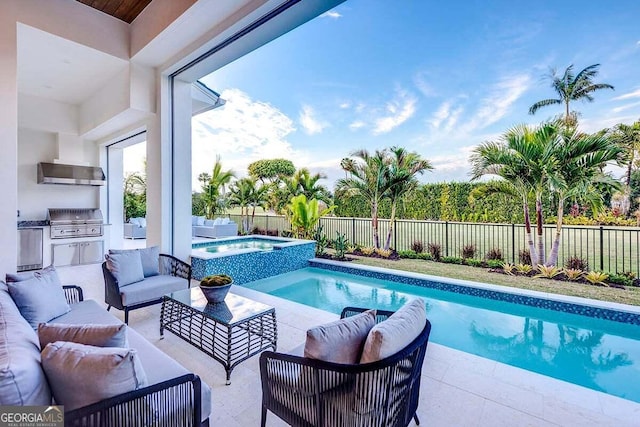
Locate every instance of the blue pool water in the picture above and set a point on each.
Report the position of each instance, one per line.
(600, 354)
(233, 245)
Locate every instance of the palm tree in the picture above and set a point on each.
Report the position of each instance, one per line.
(628, 137)
(369, 179)
(570, 87)
(403, 168)
(213, 188)
(522, 157)
(245, 193)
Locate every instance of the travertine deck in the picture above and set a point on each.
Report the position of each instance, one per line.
(458, 389)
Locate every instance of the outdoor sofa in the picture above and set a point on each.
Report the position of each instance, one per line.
(136, 228)
(170, 396)
(213, 228)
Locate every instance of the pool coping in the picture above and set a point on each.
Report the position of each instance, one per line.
(604, 306)
(286, 243)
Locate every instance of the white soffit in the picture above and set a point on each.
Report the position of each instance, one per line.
(55, 68)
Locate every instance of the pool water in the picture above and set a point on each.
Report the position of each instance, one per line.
(233, 245)
(599, 354)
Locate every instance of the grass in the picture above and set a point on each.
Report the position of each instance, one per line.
(631, 295)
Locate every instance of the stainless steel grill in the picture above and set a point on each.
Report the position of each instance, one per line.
(68, 223)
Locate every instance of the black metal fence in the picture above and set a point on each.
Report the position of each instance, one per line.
(612, 249)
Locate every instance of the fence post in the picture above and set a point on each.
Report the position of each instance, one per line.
(446, 238)
(266, 231)
(353, 231)
(513, 243)
(601, 248)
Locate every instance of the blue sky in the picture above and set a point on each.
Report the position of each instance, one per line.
(435, 77)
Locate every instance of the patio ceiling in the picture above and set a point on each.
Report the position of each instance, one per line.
(125, 10)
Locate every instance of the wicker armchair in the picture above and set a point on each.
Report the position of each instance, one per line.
(309, 392)
(169, 266)
(175, 402)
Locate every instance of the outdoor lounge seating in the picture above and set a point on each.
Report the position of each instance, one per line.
(213, 228)
(170, 396)
(310, 392)
(136, 228)
(138, 278)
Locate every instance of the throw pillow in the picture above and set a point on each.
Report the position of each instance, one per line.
(80, 375)
(134, 221)
(340, 341)
(209, 222)
(40, 298)
(126, 267)
(142, 222)
(398, 331)
(217, 221)
(97, 335)
(149, 257)
(200, 221)
(26, 275)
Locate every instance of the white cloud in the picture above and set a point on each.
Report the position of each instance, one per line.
(242, 131)
(425, 88)
(356, 125)
(344, 105)
(401, 109)
(309, 122)
(441, 114)
(630, 95)
(454, 161)
(331, 14)
(498, 103)
(625, 107)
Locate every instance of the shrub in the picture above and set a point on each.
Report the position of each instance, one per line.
(384, 253)
(417, 246)
(321, 240)
(524, 256)
(468, 251)
(474, 262)
(596, 278)
(508, 268)
(494, 263)
(523, 268)
(435, 250)
(494, 254)
(572, 274)
(451, 260)
(425, 256)
(408, 254)
(340, 244)
(547, 271)
(620, 279)
(577, 263)
(367, 251)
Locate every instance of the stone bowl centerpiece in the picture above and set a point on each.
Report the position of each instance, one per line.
(216, 287)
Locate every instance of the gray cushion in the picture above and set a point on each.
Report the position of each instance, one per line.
(87, 311)
(80, 374)
(22, 381)
(159, 367)
(152, 288)
(340, 341)
(126, 267)
(40, 298)
(395, 333)
(89, 334)
(26, 275)
(149, 257)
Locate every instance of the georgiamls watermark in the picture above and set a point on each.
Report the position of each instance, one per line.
(31, 416)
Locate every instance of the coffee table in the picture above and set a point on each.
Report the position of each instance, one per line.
(230, 332)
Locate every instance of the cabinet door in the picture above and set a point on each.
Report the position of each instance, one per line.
(66, 254)
(92, 252)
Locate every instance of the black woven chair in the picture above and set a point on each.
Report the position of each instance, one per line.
(308, 392)
(168, 265)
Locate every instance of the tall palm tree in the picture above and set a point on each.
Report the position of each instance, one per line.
(402, 171)
(369, 179)
(214, 188)
(246, 194)
(571, 87)
(628, 137)
(522, 157)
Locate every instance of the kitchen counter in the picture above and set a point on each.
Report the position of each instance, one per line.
(33, 224)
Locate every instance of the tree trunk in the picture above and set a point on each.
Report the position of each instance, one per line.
(555, 247)
(527, 231)
(540, 231)
(566, 116)
(392, 221)
(374, 224)
(253, 215)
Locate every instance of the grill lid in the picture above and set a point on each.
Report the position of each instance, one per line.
(74, 216)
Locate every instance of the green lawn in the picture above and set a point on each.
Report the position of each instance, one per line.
(630, 295)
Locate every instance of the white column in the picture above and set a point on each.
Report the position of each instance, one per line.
(8, 145)
(116, 198)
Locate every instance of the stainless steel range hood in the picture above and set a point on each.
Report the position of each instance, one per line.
(55, 173)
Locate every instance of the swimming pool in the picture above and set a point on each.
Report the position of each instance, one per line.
(592, 352)
(236, 244)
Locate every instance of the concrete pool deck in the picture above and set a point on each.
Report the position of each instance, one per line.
(458, 389)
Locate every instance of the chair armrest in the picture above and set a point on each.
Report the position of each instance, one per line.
(352, 311)
(111, 289)
(73, 294)
(170, 403)
(175, 267)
